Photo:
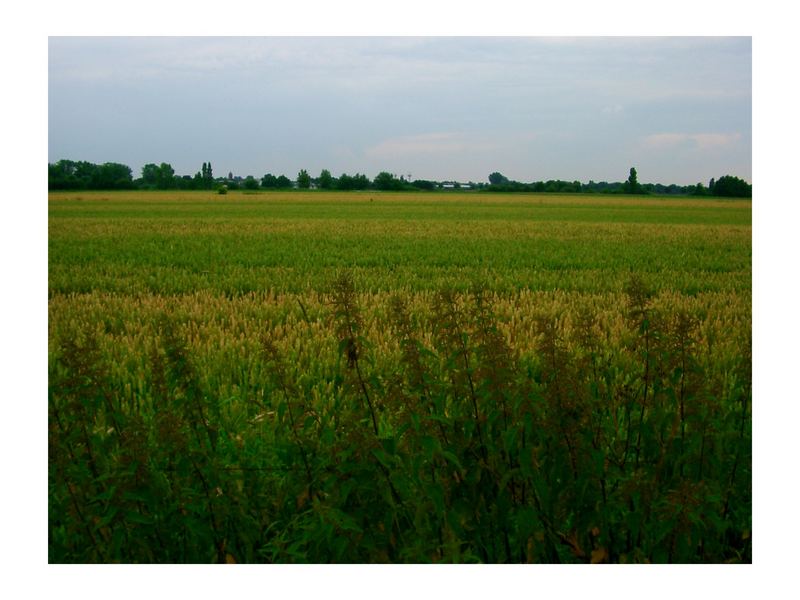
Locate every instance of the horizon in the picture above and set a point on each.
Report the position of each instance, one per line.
(293, 178)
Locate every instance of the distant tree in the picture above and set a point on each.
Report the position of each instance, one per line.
(61, 175)
(387, 181)
(711, 186)
(150, 174)
(250, 183)
(269, 181)
(732, 187)
(283, 182)
(303, 179)
(206, 177)
(325, 179)
(111, 176)
(83, 175)
(497, 179)
(632, 184)
(423, 184)
(352, 182)
(699, 190)
(345, 182)
(166, 176)
(361, 182)
(187, 182)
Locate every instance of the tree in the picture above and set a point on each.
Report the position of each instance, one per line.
(352, 182)
(360, 182)
(165, 177)
(325, 179)
(207, 176)
(150, 174)
(497, 179)
(111, 176)
(269, 181)
(283, 182)
(303, 179)
(160, 177)
(71, 175)
(423, 184)
(732, 187)
(250, 183)
(632, 184)
(387, 181)
(698, 190)
(61, 175)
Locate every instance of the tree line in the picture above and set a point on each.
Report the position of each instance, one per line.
(83, 175)
(726, 186)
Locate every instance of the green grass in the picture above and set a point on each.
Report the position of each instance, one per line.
(366, 377)
(182, 243)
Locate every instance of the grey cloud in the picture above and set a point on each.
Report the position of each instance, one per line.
(444, 106)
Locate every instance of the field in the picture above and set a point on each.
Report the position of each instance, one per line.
(367, 377)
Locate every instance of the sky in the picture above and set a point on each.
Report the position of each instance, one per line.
(678, 109)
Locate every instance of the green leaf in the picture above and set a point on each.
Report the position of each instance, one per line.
(135, 517)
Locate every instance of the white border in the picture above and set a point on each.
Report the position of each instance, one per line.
(24, 238)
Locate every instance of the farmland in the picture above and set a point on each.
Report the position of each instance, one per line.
(368, 377)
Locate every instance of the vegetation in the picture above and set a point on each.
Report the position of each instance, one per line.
(632, 184)
(398, 378)
(70, 175)
(731, 186)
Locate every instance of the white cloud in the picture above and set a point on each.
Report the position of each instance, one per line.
(693, 141)
(428, 144)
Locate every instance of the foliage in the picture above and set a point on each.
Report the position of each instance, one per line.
(182, 243)
(611, 441)
(305, 379)
(423, 184)
(352, 182)
(269, 181)
(206, 177)
(497, 179)
(731, 186)
(387, 181)
(632, 184)
(303, 180)
(71, 175)
(160, 177)
(325, 180)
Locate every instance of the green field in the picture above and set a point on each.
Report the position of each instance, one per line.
(368, 377)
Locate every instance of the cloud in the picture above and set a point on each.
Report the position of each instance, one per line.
(693, 141)
(428, 144)
(613, 109)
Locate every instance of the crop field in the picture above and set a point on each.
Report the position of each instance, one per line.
(397, 377)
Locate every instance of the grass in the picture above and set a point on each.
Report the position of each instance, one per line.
(366, 377)
(287, 242)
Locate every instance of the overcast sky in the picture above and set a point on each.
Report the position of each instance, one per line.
(677, 109)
